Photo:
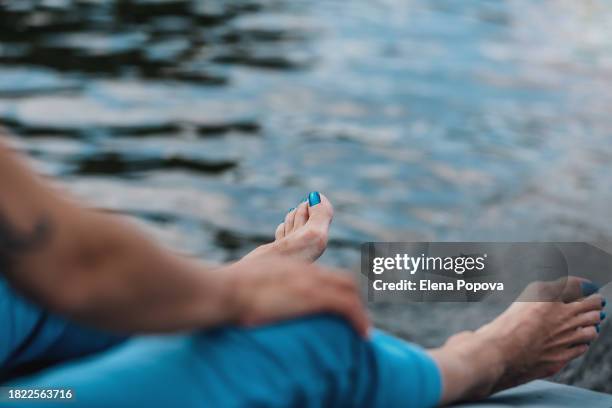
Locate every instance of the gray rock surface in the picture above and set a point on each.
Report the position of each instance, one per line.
(544, 394)
(594, 370)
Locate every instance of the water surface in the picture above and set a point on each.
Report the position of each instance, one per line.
(208, 120)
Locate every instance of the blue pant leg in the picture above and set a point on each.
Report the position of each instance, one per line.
(29, 334)
(310, 362)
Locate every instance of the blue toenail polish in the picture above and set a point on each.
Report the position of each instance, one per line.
(291, 209)
(602, 315)
(314, 198)
(597, 328)
(588, 288)
(604, 302)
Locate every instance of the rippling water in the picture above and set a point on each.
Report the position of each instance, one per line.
(419, 119)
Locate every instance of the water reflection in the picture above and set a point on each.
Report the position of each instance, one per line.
(421, 120)
(176, 40)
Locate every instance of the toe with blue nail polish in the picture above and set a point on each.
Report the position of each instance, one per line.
(588, 288)
(314, 198)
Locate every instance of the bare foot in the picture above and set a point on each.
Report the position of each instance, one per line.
(529, 340)
(304, 233)
(540, 338)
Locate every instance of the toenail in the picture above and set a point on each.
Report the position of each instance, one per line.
(602, 315)
(291, 209)
(604, 302)
(314, 198)
(597, 328)
(588, 288)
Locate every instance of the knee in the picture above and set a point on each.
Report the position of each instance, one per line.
(303, 361)
(324, 343)
(318, 345)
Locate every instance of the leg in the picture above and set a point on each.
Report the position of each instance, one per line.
(33, 337)
(529, 340)
(311, 362)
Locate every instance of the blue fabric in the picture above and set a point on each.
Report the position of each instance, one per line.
(30, 335)
(310, 362)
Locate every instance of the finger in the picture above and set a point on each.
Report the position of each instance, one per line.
(334, 291)
(350, 309)
(345, 302)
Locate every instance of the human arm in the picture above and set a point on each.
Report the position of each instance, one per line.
(99, 269)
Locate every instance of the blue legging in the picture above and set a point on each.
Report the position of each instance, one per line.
(311, 362)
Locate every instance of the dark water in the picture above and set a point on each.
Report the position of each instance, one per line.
(420, 120)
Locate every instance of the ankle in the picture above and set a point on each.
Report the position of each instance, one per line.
(503, 352)
(472, 364)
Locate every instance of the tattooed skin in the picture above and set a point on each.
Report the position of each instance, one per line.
(14, 243)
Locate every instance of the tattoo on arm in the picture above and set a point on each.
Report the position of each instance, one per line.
(15, 243)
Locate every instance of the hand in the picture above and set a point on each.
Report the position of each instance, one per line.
(271, 289)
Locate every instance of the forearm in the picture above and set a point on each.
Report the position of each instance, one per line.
(115, 277)
(96, 267)
(99, 269)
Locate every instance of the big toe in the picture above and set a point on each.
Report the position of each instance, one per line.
(578, 288)
(320, 211)
(311, 239)
(566, 289)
